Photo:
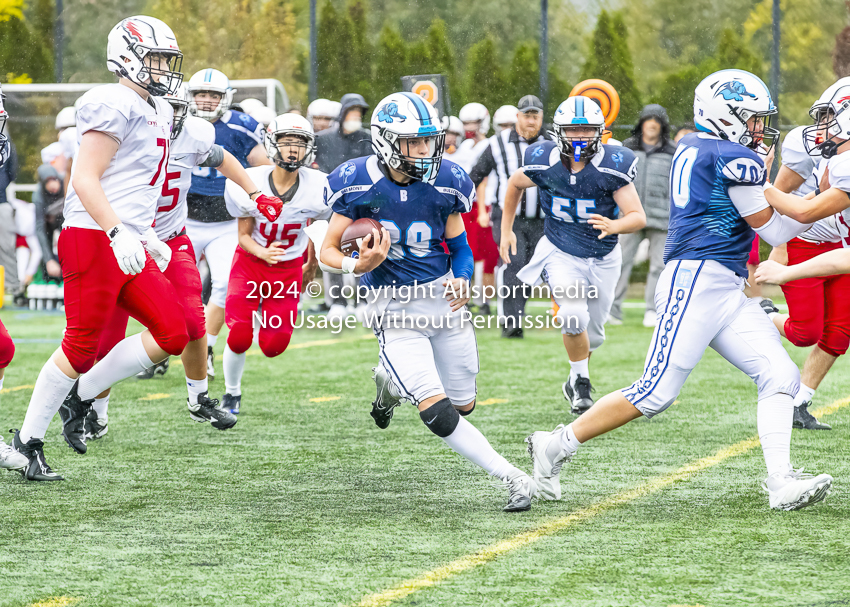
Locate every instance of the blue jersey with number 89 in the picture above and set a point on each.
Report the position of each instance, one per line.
(569, 199)
(415, 216)
(704, 223)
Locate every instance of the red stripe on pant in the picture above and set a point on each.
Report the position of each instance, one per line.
(183, 275)
(251, 277)
(95, 285)
(818, 307)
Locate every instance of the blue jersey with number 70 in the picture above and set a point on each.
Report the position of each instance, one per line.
(704, 223)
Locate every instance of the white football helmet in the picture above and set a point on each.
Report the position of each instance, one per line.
(292, 125)
(66, 118)
(832, 120)
(399, 118)
(214, 81)
(131, 48)
(578, 112)
(251, 105)
(324, 108)
(725, 100)
(181, 110)
(4, 141)
(505, 116)
(475, 112)
(452, 124)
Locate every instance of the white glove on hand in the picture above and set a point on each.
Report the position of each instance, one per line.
(159, 251)
(127, 248)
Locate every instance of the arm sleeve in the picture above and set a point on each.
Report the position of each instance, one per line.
(483, 166)
(748, 200)
(462, 262)
(779, 229)
(215, 157)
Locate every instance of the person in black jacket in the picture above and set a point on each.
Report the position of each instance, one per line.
(49, 200)
(8, 238)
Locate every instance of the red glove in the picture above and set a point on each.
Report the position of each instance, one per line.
(269, 206)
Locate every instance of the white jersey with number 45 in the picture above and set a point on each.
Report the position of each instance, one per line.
(133, 180)
(288, 229)
(191, 148)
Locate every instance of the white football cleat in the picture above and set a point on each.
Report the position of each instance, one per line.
(337, 311)
(650, 319)
(797, 489)
(11, 459)
(546, 469)
(521, 488)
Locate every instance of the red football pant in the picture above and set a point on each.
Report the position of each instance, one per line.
(7, 347)
(182, 273)
(818, 307)
(249, 277)
(481, 241)
(95, 285)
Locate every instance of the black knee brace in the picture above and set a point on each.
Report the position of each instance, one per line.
(441, 418)
(465, 413)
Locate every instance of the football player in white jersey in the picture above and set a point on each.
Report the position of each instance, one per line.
(267, 268)
(717, 202)
(192, 144)
(107, 248)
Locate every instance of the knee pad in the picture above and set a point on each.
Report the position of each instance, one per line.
(802, 335)
(779, 375)
(574, 316)
(463, 413)
(834, 341)
(7, 351)
(174, 343)
(441, 418)
(82, 356)
(196, 325)
(240, 337)
(274, 344)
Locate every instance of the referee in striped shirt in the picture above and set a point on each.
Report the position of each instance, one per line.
(496, 164)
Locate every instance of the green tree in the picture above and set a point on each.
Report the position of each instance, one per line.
(609, 59)
(390, 63)
(360, 57)
(523, 75)
(330, 52)
(23, 51)
(485, 82)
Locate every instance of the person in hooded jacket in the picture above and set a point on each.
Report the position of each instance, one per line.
(49, 200)
(349, 140)
(650, 141)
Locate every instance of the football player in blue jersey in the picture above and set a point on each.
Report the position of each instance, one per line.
(418, 198)
(717, 201)
(210, 227)
(583, 186)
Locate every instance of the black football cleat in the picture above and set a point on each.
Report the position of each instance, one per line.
(208, 410)
(73, 413)
(513, 333)
(160, 368)
(37, 469)
(96, 427)
(210, 362)
(578, 395)
(806, 421)
(231, 403)
(768, 306)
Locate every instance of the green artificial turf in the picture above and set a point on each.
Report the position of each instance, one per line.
(308, 503)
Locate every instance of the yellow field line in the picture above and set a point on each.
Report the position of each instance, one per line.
(16, 388)
(485, 555)
(56, 601)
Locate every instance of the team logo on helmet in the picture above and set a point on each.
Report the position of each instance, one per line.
(733, 91)
(346, 171)
(389, 113)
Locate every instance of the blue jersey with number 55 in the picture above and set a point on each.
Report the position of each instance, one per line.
(704, 223)
(415, 216)
(569, 199)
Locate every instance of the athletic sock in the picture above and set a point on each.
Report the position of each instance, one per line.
(568, 443)
(101, 407)
(196, 387)
(234, 366)
(1, 382)
(51, 388)
(467, 440)
(124, 360)
(211, 339)
(775, 416)
(577, 368)
(805, 395)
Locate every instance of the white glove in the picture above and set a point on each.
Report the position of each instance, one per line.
(159, 251)
(127, 248)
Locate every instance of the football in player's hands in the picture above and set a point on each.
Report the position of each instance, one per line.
(269, 206)
(352, 237)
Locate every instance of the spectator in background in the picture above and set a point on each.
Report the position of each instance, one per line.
(505, 117)
(8, 238)
(335, 145)
(499, 160)
(49, 202)
(322, 114)
(651, 143)
(28, 249)
(686, 129)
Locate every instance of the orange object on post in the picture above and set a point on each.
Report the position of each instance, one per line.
(605, 95)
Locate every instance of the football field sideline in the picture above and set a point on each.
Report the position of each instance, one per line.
(484, 556)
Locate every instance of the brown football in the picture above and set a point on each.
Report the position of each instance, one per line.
(353, 236)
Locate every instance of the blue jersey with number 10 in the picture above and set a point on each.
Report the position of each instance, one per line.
(704, 223)
(415, 216)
